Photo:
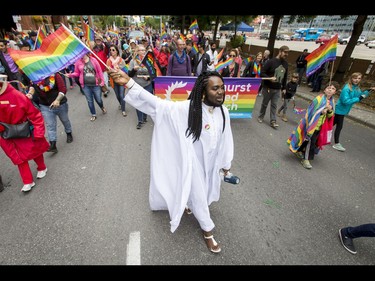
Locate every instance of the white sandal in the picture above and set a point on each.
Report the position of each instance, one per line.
(216, 248)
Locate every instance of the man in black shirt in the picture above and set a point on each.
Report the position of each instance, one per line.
(276, 73)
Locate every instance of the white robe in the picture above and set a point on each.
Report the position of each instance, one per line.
(184, 173)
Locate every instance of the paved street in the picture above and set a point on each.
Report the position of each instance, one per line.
(92, 207)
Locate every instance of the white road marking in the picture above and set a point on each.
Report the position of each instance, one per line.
(133, 249)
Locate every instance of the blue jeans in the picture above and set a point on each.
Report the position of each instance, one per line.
(49, 115)
(91, 93)
(363, 230)
(120, 95)
(143, 116)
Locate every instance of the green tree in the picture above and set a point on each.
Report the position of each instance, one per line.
(345, 59)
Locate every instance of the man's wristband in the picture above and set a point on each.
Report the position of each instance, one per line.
(130, 83)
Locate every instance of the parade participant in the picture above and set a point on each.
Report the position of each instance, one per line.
(16, 108)
(192, 142)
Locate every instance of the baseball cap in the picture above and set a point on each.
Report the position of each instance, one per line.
(132, 41)
(125, 46)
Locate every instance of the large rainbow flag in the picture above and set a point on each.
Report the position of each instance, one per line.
(194, 25)
(40, 37)
(319, 56)
(58, 50)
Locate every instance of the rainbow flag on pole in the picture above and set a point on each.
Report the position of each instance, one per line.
(58, 51)
(194, 25)
(163, 35)
(248, 60)
(319, 56)
(40, 37)
(151, 64)
(89, 33)
(223, 64)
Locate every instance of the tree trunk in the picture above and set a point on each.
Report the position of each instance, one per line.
(183, 24)
(272, 38)
(345, 59)
(216, 27)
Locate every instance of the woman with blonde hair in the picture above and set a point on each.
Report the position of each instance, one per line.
(350, 94)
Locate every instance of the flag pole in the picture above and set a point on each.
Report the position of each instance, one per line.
(37, 35)
(330, 76)
(88, 49)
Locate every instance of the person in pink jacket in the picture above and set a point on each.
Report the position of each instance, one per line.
(91, 78)
(16, 108)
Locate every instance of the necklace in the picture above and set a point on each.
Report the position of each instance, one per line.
(48, 87)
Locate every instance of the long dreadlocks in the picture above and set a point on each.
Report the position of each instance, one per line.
(195, 109)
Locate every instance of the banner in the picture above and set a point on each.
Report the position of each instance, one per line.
(240, 93)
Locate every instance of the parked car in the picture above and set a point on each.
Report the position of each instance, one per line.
(285, 37)
(371, 44)
(264, 35)
(360, 40)
(324, 38)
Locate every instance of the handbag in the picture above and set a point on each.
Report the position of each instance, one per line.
(17, 131)
(325, 134)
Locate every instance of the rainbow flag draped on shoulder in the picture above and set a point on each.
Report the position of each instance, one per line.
(58, 51)
(319, 56)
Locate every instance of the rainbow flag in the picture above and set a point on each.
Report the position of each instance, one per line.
(163, 35)
(194, 25)
(89, 33)
(194, 49)
(219, 55)
(112, 33)
(152, 64)
(182, 37)
(248, 60)
(223, 64)
(125, 68)
(40, 37)
(58, 50)
(319, 56)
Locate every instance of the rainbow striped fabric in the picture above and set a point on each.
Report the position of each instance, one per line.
(182, 37)
(223, 64)
(89, 33)
(220, 54)
(125, 68)
(194, 25)
(248, 60)
(40, 37)
(58, 51)
(163, 35)
(152, 64)
(194, 49)
(319, 56)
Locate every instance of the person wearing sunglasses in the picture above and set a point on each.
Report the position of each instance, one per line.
(232, 70)
(116, 61)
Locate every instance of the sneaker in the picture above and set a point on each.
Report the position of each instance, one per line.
(260, 120)
(306, 164)
(106, 94)
(124, 114)
(284, 118)
(41, 174)
(274, 124)
(139, 125)
(27, 187)
(71, 87)
(104, 110)
(347, 242)
(338, 147)
(278, 114)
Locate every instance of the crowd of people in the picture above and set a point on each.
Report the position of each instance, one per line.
(197, 174)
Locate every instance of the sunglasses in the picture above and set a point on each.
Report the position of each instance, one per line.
(114, 50)
(233, 56)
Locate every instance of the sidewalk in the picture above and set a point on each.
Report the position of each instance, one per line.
(358, 112)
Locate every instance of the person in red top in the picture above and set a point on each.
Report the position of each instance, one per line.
(101, 49)
(16, 108)
(163, 56)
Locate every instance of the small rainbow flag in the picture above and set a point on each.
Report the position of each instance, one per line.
(194, 49)
(58, 50)
(163, 35)
(319, 56)
(152, 64)
(125, 68)
(194, 25)
(89, 33)
(112, 33)
(223, 64)
(40, 37)
(248, 60)
(219, 55)
(183, 37)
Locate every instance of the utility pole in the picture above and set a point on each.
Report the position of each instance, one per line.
(161, 24)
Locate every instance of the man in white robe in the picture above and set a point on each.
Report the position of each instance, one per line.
(192, 141)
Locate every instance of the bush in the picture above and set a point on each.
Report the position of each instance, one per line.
(236, 41)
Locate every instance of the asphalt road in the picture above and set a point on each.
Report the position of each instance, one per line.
(92, 207)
